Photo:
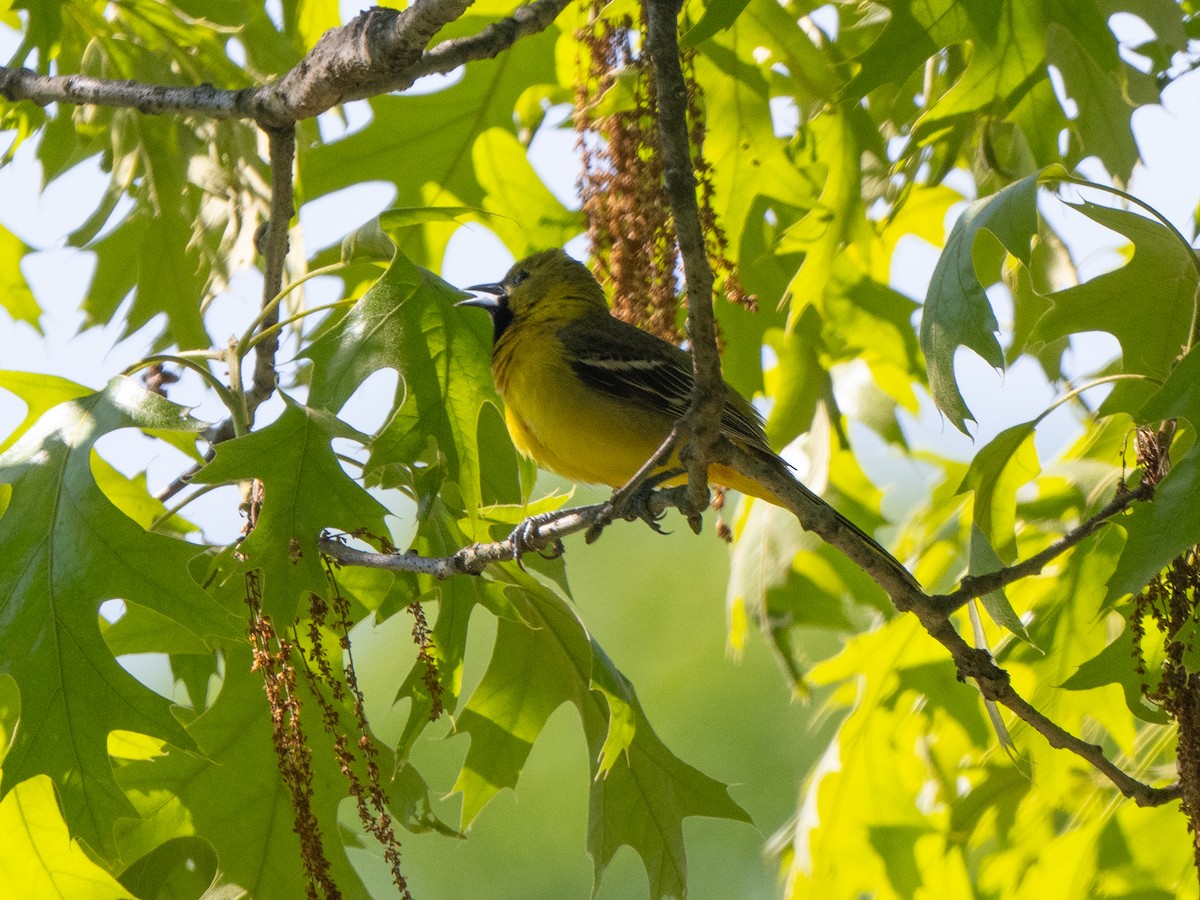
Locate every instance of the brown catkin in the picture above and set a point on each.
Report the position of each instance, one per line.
(622, 185)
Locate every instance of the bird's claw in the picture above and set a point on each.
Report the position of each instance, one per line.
(637, 505)
(524, 540)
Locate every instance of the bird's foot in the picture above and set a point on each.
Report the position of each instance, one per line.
(525, 539)
(638, 505)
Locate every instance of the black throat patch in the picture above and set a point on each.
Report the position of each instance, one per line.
(502, 317)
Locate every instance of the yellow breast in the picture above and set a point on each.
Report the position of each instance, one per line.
(573, 430)
(561, 423)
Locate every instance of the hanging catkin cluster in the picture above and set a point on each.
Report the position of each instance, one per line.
(1171, 601)
(624, 200)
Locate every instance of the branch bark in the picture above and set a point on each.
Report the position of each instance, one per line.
(381, 50)
(282, 143)
(703, 421)
(979, 585)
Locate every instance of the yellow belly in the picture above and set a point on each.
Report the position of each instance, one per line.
(577, 432)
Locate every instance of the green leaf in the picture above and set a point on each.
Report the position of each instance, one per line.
(914, 32)
(1114, 665)
(441, 534)
(1161, 273)
(957, 311)
(867, 320)
(718, 16)
(1179, 396)
(184, 866)
(823, 233)
(400, 217)
(413, 807)
(38, 856)
(1008, 54)
(1029, 287)
(644, 795)
(747, 159)
(407, 321)
(40, 394)
(435, 127)
(305, 492)
(15, 296)
(768, 25)
(798, 383)
(132, 497)
(143, 254)
(1106, 99)
(983, 560)
(70, 549)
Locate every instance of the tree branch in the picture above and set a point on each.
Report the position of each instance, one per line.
(995, 685)
(379, 51)
(282, 143)
(978, 585)
(702, 423)
(534, 534)
(493, 40)
(817, 516)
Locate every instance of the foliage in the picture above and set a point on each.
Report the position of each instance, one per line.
(837, 137)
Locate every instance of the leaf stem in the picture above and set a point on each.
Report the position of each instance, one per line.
(274, 329)
(1087, 386)
(246, 341)
(174, 510)
(238, 410)
(188, 359)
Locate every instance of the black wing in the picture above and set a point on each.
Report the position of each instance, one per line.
(615, 358)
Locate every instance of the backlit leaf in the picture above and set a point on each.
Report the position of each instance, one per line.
(957, 311)
(69, 550)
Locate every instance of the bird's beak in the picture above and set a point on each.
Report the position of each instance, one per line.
(498, 292)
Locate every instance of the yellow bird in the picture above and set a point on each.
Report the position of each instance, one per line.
(591, 397)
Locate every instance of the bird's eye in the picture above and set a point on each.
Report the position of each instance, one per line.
(520, 276)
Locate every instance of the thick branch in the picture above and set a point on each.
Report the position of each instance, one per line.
(381, 50)
(375, 53)
(703, 421)
(153, 99)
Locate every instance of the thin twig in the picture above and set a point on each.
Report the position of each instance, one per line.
(624, 494)
(275, 248)
(184, 478)
(537, 533)
(273, 245)
(979, 585)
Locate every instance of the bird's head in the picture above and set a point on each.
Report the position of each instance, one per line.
(543, 287)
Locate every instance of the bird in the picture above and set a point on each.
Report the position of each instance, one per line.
(590, 396)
